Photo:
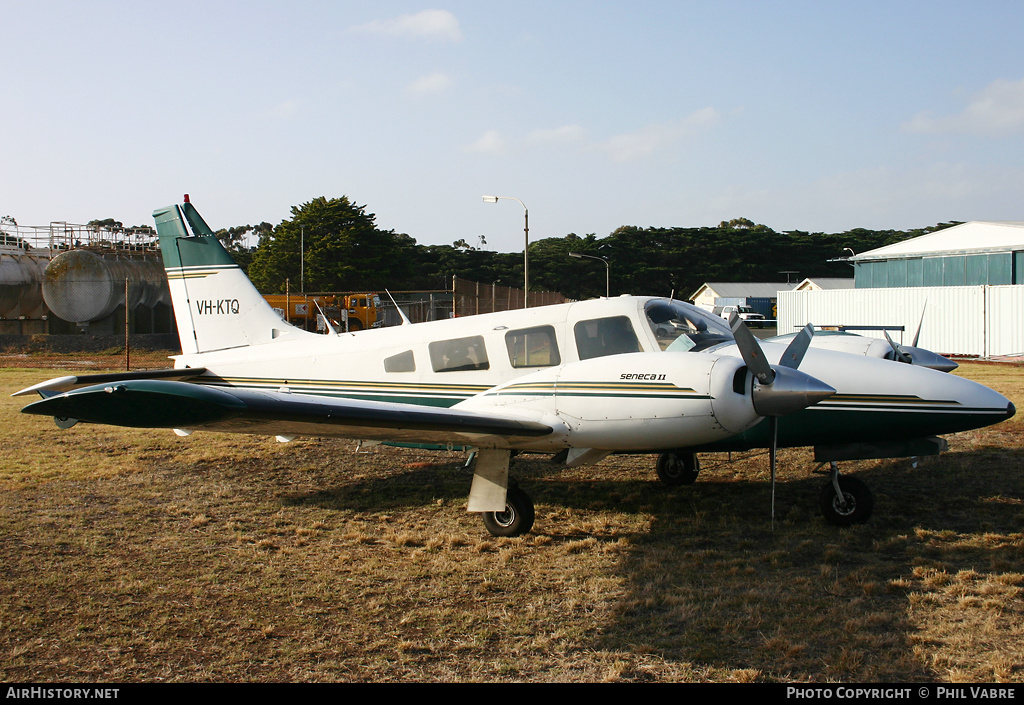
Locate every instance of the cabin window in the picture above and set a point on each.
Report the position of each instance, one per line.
(605, 336)
(402, 362)
(458, 355)
(532, 347)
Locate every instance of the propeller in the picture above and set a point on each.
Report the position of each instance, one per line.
(781, 389)
(897, 351)
(920, 324)
(913, 355)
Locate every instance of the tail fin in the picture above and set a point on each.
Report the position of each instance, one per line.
(215, 304)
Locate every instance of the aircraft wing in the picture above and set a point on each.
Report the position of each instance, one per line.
(158, 403)
(64, 384)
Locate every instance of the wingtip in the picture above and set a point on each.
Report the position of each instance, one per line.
(58, 384)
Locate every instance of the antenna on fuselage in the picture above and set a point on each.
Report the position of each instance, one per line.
(327, 321)
(405, 320)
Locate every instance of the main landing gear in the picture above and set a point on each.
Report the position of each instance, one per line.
(506, 509)
(517, 518)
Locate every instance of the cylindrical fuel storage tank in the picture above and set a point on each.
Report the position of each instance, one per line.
(82, 286)
(152, 274)
(21, 294)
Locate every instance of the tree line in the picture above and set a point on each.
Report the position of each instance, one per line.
(344, 250)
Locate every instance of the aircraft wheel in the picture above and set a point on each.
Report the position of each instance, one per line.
(678, 468)
(856, 507)
(516, 519)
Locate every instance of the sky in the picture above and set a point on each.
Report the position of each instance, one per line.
(594, 114)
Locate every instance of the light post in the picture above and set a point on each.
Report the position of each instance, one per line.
(607, 270)
(526, 248)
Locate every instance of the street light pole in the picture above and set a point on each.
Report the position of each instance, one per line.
(526, 247)
(607, 270)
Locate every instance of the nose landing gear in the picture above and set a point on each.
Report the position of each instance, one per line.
(845, 501)
(676, 468)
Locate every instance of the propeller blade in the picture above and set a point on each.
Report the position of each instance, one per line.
(797, 348)
(917, 335)
(751, 352)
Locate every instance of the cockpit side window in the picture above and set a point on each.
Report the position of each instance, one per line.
(605, 336)
(532, 347)
(679, 326)
(458, 355)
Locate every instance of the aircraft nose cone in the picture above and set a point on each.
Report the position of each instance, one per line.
(1010, 410)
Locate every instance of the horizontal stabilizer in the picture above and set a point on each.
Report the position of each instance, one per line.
(148, 403)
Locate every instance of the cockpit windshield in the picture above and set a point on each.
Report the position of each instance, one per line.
(680, 326)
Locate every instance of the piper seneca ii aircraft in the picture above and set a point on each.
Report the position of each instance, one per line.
(578, 381)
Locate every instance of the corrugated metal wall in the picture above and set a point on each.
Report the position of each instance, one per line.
(1005, 320)
(962, 320)
(952, 270)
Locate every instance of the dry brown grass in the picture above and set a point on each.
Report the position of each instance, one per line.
(140, 556)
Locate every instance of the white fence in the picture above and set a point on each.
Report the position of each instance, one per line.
(987, 321)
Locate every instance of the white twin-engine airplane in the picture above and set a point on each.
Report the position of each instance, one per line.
(577, 381)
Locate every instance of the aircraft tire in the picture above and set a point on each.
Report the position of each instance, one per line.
(676, 469)
(860, 502)
(517, 518)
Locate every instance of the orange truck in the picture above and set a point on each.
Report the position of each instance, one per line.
(345, 311)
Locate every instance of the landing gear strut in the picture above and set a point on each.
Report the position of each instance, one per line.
(676, 468)
(846, 500)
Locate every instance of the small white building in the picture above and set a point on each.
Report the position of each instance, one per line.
(705, 296)
(824, 284)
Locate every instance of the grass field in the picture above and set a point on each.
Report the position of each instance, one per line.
(136, 555)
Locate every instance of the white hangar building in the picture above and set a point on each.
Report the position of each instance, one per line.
(963, 285)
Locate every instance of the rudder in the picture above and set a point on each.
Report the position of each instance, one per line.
(215, 304)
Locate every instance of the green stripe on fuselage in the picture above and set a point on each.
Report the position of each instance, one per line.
(619, 390)
(436, 395)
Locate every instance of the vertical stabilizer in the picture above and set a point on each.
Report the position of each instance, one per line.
(215, 304)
